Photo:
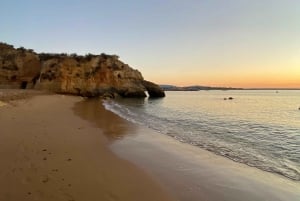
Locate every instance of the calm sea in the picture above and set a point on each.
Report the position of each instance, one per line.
(260, 128)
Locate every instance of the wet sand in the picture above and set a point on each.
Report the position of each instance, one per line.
(48, 153)
(188, 172)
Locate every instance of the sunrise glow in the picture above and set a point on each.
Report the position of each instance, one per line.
(218, 43)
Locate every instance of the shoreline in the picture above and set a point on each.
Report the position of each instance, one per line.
(192, 173)
(68, 148)
(49, 153)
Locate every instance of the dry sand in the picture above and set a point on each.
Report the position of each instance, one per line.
(11, 95)
(47, 153)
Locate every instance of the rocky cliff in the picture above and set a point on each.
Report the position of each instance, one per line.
(18, 67)
(90, 75)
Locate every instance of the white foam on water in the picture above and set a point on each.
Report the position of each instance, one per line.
(223, 128)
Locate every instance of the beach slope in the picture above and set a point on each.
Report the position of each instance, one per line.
(49, 153)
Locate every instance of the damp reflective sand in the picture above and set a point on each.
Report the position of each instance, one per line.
(187, 172)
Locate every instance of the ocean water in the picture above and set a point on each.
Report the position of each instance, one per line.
(260, 128)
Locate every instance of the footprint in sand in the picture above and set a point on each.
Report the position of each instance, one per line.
(45, 179)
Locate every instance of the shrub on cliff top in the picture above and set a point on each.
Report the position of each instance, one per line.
(47, 56)
(5, 45)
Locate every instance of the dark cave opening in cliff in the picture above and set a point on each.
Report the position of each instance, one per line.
(23, 85)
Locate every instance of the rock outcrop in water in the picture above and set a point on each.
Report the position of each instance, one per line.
(90, 75)
(153, 89)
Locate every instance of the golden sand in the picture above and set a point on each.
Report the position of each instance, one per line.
(48, 153)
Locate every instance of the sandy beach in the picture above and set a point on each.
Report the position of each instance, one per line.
(57, 147)
(48, 153)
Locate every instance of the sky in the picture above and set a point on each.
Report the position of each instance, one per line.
(230, 43)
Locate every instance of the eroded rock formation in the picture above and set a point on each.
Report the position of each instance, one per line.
(90, 75)
(153, 89)
(19, 68)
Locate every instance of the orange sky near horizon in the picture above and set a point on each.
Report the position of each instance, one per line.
(257, 69)
(239, 81)
(281, 78)
(253, 82)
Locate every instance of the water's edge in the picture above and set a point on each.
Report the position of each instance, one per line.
(289, 170)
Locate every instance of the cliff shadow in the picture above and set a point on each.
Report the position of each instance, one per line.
(113, 126)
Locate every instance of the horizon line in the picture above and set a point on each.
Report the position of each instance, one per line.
(245, 88)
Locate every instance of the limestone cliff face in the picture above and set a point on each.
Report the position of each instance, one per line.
(90, 75)
(18, 67)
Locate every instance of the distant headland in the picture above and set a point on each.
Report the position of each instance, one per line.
(167, 87)
(195, 88)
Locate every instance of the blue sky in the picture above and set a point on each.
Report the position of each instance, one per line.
(247, 43)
